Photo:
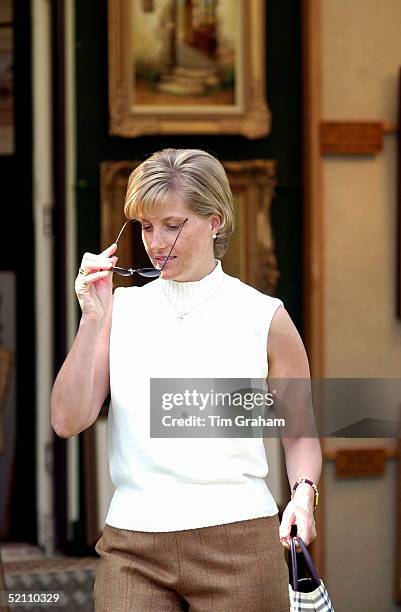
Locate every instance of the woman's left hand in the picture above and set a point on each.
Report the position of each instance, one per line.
(298, 513)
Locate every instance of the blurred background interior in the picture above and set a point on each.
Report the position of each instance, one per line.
(301, 102)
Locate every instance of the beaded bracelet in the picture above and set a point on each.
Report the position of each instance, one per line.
(314, 487)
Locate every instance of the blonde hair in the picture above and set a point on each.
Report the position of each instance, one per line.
(196, 176)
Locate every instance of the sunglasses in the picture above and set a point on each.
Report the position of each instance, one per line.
(146, 272)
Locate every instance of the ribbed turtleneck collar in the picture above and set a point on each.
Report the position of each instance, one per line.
(186, 294)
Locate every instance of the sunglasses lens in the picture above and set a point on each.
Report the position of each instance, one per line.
(122, 272)
(149, 272)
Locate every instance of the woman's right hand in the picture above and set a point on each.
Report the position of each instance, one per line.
(94, 283)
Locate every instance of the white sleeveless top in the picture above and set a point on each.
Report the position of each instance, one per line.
(170, 484)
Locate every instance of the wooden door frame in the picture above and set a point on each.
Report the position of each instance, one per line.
(313, 235)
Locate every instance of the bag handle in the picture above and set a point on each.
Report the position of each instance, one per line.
(294, 568)
(308, 559)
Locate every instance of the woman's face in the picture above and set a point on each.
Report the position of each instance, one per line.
(192, 257)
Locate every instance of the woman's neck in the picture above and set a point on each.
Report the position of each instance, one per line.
(186, 293)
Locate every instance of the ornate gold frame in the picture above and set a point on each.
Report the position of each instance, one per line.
(250, 256)
(250, 118)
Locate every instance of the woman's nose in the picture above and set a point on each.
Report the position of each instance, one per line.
(157, 240)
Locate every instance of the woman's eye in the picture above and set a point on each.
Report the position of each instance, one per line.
(148, 228)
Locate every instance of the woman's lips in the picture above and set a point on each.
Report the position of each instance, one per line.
(161, 260)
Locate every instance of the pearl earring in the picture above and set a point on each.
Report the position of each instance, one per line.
(214, 236)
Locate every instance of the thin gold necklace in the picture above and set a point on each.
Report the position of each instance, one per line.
(182, 315)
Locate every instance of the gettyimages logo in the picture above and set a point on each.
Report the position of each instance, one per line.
(247, 400)
(219, 407)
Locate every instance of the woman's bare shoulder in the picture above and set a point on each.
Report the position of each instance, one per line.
(286, 351)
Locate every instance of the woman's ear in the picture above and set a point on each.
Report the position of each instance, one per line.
(215, 223)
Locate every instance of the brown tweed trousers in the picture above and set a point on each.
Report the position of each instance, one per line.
(235, 567)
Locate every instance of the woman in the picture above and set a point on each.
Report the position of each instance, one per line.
(192, 523)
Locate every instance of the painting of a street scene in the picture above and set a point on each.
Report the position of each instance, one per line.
(185, 52)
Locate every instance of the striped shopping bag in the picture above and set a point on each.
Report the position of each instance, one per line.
(307, 591)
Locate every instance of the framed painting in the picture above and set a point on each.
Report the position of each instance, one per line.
(187, 67)
(251, 253)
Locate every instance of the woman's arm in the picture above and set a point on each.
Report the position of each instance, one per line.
(83, 381)
(288, 360)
